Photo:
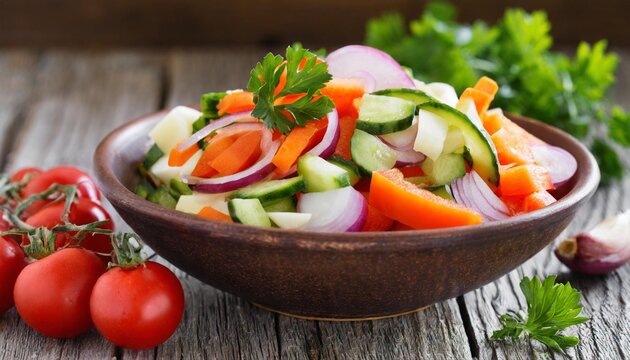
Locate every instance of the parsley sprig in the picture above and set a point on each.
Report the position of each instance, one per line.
(551, 308)
(304, 75)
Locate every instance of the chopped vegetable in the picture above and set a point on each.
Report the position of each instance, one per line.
(212, 214)
(236, 102)
(297, 142)
(524, 180)
(238, 156)
(179, 158)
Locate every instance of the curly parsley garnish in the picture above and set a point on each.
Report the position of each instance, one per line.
(304, 75)
(551, 308)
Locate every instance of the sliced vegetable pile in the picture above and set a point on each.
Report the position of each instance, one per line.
(55, 243)
(349, 143)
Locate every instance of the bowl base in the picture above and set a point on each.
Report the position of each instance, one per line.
(341, 319)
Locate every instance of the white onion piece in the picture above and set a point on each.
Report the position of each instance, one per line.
(404, 139)
(559, 162)
(339, 210)
(474, 193)
(217, 124)
(256, 172)
(383, 68)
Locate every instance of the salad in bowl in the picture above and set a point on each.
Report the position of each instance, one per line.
(349, 142)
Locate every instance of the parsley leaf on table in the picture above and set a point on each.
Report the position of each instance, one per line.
(551, 308)
(535, 81)
(304, 75)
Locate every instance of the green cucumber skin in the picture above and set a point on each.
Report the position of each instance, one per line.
(376, 128)
(288, 204)
(441, 191)
(153, 155)
(283, 189)
(379, 115)
(248, 212)
(315, 180)
(416, 96)
(359, 138)
(488, 167)
(349, 166)
(445, 169)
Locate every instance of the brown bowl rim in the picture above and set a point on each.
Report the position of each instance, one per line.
(585, 185)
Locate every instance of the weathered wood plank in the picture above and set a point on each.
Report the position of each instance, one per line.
(17, 70)
(605, 298)
(79, 97)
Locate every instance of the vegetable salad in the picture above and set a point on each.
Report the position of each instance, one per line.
(349, 143)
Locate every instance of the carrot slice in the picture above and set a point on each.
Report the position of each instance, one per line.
(487, 85)
(212, 214)
(297, 142)
(512, 149)
(236, 102)
(179, 158)
(214, 149)
(343, 92)
(240, 155)
(537, 200)
(347, 126)
(481, 98)
(415, 207)
(524, 180)
(494, 119)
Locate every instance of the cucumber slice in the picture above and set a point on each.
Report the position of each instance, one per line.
(269, 191)
(454, 142)
(349, 166)
(283, 205)
(248, 212)
(289, 220)
(414, 95)
(383, 114)
(445, 169)
(162, 196)
(178, 185)
(478, 142)
(371, 154)
(441, 191)
(419, 181)
(152, 156)
(321, 175)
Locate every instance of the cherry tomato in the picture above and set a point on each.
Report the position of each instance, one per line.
(4, 224)
(12, 261)
(137, 308)
(83, 211)
(20, 174)
(52, 295)
(62, 175)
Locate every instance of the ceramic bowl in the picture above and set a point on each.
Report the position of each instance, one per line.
(342, 275)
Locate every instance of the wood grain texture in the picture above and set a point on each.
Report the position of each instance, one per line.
(78, 97)
(94, 23)
(605, 298)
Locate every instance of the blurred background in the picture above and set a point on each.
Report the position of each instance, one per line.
(165, 23)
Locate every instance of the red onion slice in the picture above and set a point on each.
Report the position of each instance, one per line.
(368, 81)
(474, 193)
(383, 68)
(404, 139)
(256, 172)
(217, 124)
(408, 157)
(339, 210)
(559, 162)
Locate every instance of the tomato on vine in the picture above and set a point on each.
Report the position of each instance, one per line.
(12, 261)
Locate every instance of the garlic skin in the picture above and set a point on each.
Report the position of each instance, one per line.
(600, 250)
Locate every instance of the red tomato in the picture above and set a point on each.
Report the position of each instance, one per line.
(12, 261)
(52, 295)
(137, 308)
(4, 224)
(82, 212)
(62, 175)
(20, 174)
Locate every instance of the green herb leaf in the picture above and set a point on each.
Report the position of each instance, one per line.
(534, 80)
(551, 308)
(609, 164)
(304, 75)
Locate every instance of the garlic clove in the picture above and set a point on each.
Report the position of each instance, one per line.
(600, 250)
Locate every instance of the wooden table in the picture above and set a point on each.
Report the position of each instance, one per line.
(55, 106)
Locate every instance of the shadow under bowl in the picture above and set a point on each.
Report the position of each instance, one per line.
(341, 275)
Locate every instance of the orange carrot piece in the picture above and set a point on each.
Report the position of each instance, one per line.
(343, 92)
(512, 149)
(236, 102)
(524, 180)
(214, 149)
(537, 200)
(297, 142)
(481, 98)
(411, 171)
(404, 202)
(240, 155)
(346, 129)
(494, 119)
(212, 214)
(179, 158)
(487, 85)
